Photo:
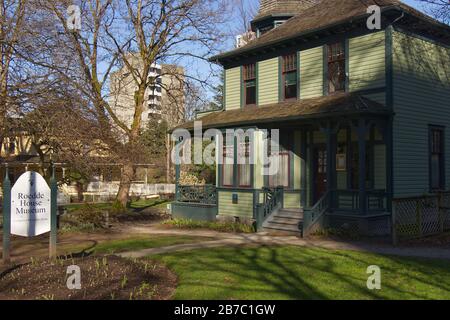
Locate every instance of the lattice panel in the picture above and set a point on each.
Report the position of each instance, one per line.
(417, 217)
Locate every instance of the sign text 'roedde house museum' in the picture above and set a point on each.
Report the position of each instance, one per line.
(30, 205)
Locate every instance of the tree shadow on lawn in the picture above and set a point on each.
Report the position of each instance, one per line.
(273, 272)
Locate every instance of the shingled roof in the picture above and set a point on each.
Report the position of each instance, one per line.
(324, 15)
(327, 106)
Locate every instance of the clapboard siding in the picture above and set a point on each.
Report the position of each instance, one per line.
(311, 73)
(233, 88)
(268, 81)
(421, 97)
(292, 200)
(244, 207)
(367, 62)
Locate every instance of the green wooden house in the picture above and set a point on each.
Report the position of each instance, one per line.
(364, 117)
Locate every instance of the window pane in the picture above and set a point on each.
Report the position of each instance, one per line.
(281, 178)
(244, 168)
(228, 166)
(336, 68)
(290, 87)
(250, 95)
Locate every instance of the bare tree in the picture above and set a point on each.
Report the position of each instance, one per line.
(133, 35)
(12, 19)
(440, 9)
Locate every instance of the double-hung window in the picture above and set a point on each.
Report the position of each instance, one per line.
(336, 67)
(228, 163)
(281, 177)
(244, 167)
(290, 77)
(437, 158)
(250, 84)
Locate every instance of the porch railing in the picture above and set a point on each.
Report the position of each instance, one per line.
(202, 194)
(272, 200)
(315, 215)
(348, 200)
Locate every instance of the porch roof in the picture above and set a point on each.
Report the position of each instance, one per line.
(342, 104)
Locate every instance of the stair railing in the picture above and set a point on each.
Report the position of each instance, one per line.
(272, 201)
(313, 216)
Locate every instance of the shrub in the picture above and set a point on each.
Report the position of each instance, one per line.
(217, 226)
(90, 215)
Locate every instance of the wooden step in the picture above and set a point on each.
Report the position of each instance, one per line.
(276, 229)
(284, 214)
(285, 220)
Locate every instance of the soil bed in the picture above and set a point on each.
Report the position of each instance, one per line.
(102, 278)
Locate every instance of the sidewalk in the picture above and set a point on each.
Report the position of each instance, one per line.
(237, 239)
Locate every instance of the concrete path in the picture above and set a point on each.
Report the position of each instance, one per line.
(237, 239)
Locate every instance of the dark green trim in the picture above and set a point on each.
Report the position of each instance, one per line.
(257, 82)
(242, 87)
(235, 165)
(298, 76)
(292, 143)
(280, 79)
(348, 159)
(303, 165)
(224, 98)
(325, 70)
(389, 68)
(347, 64)
(6, 217)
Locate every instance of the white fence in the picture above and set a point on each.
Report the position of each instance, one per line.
(104, 191)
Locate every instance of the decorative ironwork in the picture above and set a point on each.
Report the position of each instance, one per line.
(203, 194)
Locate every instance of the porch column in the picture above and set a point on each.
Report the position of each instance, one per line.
(331, 138)
(362, 131)
(303, 164)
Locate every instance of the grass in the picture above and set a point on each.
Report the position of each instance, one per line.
(143, 242)
(216, 226)
(286, 272)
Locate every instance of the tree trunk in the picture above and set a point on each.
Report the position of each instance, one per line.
(80, 195)
(125, 183)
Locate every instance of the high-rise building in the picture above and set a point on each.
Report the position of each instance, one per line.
(164, 97)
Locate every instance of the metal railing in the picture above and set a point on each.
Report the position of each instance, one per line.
(272, 201)
(202, 194)
(314, 215)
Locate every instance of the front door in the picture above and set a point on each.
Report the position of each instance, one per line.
(320, 172)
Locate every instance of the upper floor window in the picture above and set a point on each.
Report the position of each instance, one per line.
(290, 76)
(336, 67)
(437, 158)
(250, 84)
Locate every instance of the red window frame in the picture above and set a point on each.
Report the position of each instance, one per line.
(224, 153)
(336, 63)
(247, 156)
(249, 75)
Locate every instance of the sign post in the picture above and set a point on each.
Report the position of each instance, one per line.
(6, 216)
(53, 217)
(29, 209)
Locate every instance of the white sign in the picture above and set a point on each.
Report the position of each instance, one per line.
(30, 205)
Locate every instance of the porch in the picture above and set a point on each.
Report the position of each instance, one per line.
(335, 171)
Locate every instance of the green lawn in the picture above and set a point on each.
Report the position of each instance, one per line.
(303, 273)
(143, 242)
